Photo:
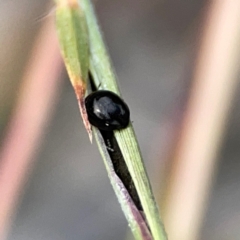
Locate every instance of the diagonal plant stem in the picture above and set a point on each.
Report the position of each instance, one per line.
(104, 75)
(75, 24)
(82, 43)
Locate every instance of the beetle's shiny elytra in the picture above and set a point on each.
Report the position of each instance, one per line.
(107, 111)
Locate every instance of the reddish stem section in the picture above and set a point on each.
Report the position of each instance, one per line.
(36, 99)
(80, 94)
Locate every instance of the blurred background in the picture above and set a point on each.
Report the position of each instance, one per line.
(64, 191)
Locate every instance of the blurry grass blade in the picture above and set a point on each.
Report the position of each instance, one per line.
(73, 37)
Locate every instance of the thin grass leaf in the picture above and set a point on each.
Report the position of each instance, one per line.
(73, 37)
(78, 33)
(135, 219)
